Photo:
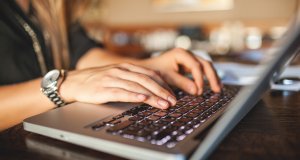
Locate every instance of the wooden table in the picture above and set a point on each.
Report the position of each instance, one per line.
(271, 130)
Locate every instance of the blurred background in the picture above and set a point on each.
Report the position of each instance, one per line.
(141, 28)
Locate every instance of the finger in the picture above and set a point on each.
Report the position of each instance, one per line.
(151, 73)
(152, 99)
(198, 77)
(167, 85)
(182, 82)
(211, 75)
(192, 64)
(148, 83)
(119, 95)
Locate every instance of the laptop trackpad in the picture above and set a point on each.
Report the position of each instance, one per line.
(79, 114)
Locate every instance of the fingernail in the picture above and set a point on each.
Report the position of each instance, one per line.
(200, 90)
(141, 97)
(219, 89)
(172, 100)
(163, 103)
(192, 90)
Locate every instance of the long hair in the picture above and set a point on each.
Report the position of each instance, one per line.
(55, 17)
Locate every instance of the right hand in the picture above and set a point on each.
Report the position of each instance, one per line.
(117, 83)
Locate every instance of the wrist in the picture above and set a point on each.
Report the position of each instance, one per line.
(50, 86)
(147, 63)
(64, 89)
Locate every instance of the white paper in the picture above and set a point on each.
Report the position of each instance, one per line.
(244, 74)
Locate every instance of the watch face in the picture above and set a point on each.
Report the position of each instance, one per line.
(50, 78)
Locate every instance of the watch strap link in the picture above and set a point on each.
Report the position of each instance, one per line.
(52, 91)
(55, 98)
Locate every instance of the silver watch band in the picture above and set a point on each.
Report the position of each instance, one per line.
(51, 84)
(55, 98)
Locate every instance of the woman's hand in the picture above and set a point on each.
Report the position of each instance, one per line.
(122, 82)
(171, 63)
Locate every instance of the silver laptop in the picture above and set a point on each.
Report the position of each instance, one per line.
(139, 131)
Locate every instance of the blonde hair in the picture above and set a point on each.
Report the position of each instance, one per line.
(55, 17)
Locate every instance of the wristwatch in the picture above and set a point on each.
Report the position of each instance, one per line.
(50, 85)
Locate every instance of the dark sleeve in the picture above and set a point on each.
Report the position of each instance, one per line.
(79, 43)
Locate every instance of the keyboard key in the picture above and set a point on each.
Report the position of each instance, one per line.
(114, 122)
(163, 123)
(143, 134)
(160, 113)
(144, 114)
(129, 133)
(168, 119)
(144, 122)
(180, 137)
(153, 110)
(135, 118)
(180, 94)
(118, 116)
(180, 103)
(195, 122)
(160, 124)
(171, 143)
(188, 131)
(213, 100)
(218, 105)
(214, 109)
(198, 110)
(171, 109)
(189, 106)
(153, 118)
(120, 126)
(135, 127)
(185, 119)
(182, 110)
(193, 103)
(208, 103)
(175, 115)
(200, 100)
(192, 114)
(177, 106)
(177, 124)
(162, 137)
(108, 121)
(98, 126)
(202, 118)
(152, 128)
(208, 113)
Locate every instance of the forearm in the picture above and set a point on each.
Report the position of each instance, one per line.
(20, 101)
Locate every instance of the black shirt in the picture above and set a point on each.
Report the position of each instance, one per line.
(18, 61)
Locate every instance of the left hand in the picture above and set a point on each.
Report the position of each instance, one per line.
(169, 65)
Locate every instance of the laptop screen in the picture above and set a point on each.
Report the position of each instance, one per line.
(282, 52)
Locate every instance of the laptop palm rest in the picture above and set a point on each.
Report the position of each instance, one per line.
(78, 115)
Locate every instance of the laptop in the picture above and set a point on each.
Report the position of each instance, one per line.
(139, 131)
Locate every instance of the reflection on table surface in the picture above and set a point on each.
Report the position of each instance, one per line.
(270, 131)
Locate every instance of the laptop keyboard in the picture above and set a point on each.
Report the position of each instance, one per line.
(167, 127)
